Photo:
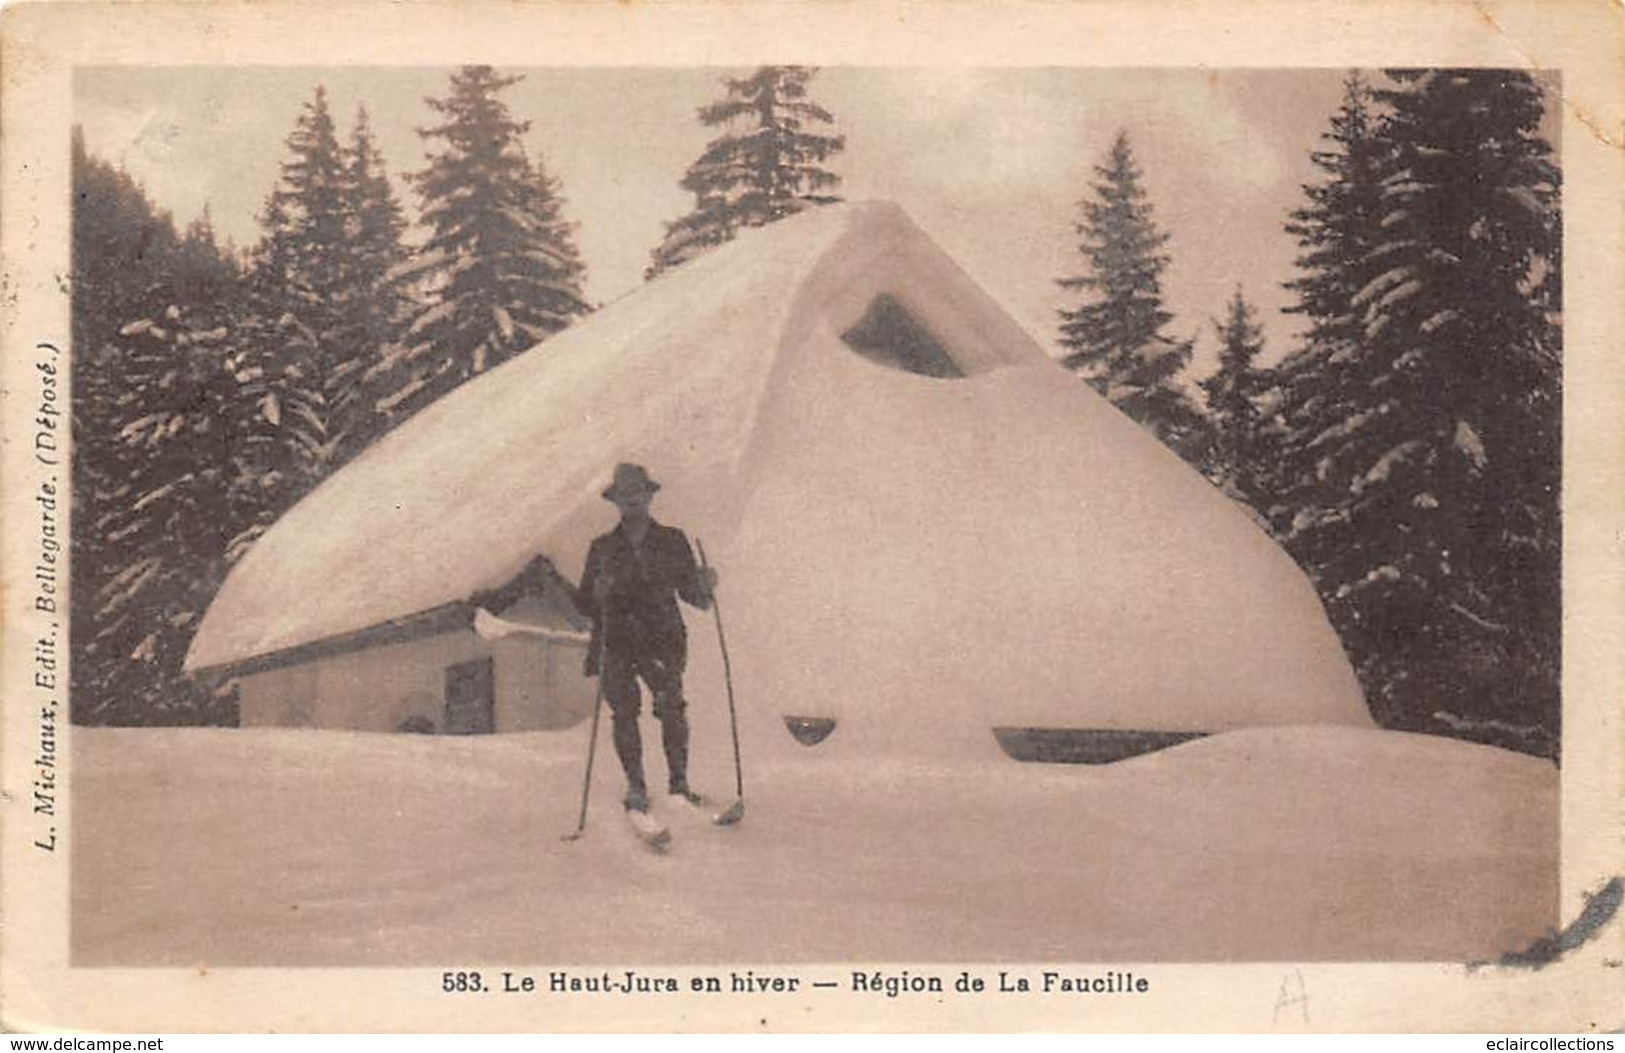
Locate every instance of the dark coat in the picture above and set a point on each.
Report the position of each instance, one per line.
(644, 585)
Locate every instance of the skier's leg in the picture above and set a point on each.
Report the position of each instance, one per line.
(666, 685)
(674, 737)
(625, 703)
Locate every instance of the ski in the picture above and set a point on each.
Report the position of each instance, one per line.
(648, 829)
(704, 806)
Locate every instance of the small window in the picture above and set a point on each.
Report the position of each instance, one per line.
(888, 334)
(810, 731)
(1085, 745)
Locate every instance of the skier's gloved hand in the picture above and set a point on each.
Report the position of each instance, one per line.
(708, 579)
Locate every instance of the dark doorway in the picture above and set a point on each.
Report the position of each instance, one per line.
(471, 698)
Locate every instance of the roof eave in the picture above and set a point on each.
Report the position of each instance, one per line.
(452, 616)
(448, 617)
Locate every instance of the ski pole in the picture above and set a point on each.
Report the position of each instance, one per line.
(592, 740)
(735, 811)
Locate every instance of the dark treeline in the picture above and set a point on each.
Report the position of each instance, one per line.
(1406, 452)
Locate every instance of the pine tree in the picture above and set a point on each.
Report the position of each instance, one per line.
(1237, 461)
(1324, 413)
(1338, 228)
(297, 287)
(121, 245)
(178, 491)
(1322, 392)
(171, 516)
(767, 164)
(156, 404)
(1460, 497)
(1421, 419)
(376, 301)
(500, 262)
(327, 304)
(203, 271)
(1115, 339)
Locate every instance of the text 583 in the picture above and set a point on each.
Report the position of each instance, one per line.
(461, 983)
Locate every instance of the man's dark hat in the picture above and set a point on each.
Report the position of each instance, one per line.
(630, 479)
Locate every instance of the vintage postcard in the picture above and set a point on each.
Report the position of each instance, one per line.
(808, 517)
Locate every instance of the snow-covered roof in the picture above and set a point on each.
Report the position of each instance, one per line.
(1005, 538)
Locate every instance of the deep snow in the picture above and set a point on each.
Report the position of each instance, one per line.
(923, 557)
(268, 847)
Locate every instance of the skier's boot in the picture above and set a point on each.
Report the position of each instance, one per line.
(629, 747)
(688, 796)
(637, 799)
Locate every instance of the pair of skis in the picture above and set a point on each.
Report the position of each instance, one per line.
(649, 829)
(657, 835)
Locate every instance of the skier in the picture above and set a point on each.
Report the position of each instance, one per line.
(629, 588)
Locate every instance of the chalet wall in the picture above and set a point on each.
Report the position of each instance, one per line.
(539, 685)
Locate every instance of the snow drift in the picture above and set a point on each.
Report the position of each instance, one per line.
(297, 847)
(918, 558)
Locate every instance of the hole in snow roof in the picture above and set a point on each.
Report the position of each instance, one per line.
(889, 335)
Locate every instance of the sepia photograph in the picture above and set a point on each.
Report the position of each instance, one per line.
(811, 532)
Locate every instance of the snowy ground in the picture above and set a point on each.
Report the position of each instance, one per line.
(265, 847)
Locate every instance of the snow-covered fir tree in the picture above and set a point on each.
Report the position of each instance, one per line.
(1321, 390)
(1337, 228)
(184, 446)
(156, 408)
(1424, 496)
(297, 286)
(1115, 338)
(1319, 436)
(767, 164)
(137, 589)
(119, 243)
(500, 261)
(324, 292)
(122, 245)
(1237, 458)
(375, 302)
(200, 403)
(170, 517)
(1464, 487)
